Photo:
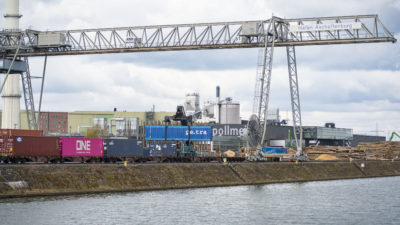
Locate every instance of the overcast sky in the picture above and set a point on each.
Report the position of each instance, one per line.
(355, 86)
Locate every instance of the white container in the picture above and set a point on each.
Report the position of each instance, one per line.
(51, 39)
(250, 29)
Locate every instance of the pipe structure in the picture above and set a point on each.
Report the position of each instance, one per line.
(11, 118)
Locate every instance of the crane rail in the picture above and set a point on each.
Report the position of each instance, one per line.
(225, 35)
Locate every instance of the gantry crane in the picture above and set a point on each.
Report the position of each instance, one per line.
(18, 45)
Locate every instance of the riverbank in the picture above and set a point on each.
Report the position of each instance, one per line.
(61, 179)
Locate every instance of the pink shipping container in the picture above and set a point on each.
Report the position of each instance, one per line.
(79, 147)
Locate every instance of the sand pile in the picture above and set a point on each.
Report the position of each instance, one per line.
(326, 157)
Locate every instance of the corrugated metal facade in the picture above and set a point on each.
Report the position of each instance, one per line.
(154, 133)
(177, 133)
(122, 147)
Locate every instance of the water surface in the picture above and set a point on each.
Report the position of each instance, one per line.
(356, 201)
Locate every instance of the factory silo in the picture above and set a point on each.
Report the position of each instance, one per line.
(230, 112)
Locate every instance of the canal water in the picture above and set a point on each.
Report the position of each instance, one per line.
(356, 201)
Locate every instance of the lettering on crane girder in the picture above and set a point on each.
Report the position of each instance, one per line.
(325, 27)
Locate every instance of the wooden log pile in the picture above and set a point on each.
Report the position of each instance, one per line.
(380, 150)
(364, 150)
(340, 152)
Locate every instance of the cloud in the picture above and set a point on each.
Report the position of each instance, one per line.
(189, 60)
(134, 84)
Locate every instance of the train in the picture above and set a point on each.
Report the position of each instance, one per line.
(19, 146)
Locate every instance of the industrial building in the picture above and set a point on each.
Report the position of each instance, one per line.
(77, 122)
(53, 122)
(226, 136)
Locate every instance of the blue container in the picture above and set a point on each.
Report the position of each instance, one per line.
(181, 133)
(275, 150)
(146, 152)
(122, 147)
(200, 133)
(177, 133)
(168, 149)
(155, 149)
(154, 133)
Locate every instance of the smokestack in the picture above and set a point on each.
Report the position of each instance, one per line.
(218, 106)
(12, 15)
(11, 95)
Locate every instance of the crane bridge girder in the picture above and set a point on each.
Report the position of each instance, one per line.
(241, 34)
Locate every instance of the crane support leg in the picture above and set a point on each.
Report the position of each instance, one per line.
(295, 99)
(266, 87)
(263, 80)
(28, 97)
(41, 90)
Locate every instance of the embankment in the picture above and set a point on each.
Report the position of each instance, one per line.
(34, 180)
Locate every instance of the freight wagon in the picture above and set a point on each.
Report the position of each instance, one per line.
(17, 148)
(50, 149)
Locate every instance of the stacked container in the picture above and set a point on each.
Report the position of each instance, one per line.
(178, 133)
(200, 133)
(154, 133)
(19, 132)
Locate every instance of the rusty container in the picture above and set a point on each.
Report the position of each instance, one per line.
(29, 146)
(36, 146)
(20, 132)
(6, 146)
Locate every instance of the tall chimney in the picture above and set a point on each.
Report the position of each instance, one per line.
(12, 15)
(11, 95)
(217, 109)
